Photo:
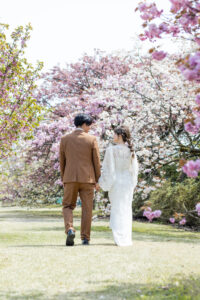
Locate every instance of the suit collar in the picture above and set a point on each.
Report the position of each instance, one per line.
(77, 130)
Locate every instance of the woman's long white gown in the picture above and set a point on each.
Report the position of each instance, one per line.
(119, 178)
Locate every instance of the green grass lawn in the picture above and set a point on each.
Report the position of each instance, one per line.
(163, 263)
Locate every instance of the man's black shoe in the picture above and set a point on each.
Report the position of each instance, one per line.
(85, 242)
(70, 238)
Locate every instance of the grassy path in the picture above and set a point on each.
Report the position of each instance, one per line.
(163, 263)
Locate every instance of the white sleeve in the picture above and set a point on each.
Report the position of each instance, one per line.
(135, 170)
(108, 170)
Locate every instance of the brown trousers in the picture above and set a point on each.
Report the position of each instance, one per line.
(86, 192)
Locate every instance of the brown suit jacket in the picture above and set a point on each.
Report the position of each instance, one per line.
(79, 158)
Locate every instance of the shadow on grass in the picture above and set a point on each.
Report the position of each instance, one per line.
(144, 234)
(34, 214)
(61, 228)
(30, 214)
(55, 246)
(181, 289)
(24, 219)
(154, 232)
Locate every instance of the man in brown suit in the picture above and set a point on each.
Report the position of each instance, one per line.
(80, 172)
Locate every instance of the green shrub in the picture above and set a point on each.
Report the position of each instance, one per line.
(138, 202)
(169, 172)
(181, 198)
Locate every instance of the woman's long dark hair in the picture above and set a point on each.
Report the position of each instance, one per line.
(126, 137)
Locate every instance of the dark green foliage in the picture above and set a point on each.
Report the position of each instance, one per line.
(138, 202)
(172, 174)
(181, 198)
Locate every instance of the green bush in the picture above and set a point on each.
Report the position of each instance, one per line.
(180, 197)
(170, 173)
(138, 202)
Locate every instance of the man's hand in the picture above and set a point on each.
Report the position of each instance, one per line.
(97, 187)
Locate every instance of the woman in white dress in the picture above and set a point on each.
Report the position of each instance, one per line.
(119, 178)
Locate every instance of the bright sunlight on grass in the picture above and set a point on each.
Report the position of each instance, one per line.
(163, 262)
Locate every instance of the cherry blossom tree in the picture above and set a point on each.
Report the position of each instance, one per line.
(19, 110)
(64, 93)
(183, 21)
(147, 95)
(150, 98)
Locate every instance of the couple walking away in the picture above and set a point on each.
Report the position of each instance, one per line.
(81, 174)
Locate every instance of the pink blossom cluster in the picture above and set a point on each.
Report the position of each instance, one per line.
(149, 11)
(79, 77)
(194, 126)
(184, 20)
(172, 220)
(198, 99)
(159, 55)
(187, 19)
(150, 215)
(191, 70)
(177, 5)
(191, 168)
(198, 208)
(154, 31)
(181, 222)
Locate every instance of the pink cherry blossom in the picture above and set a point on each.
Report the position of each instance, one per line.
(172, 220)
(150, 215)
(198, 99)
(174, 30)
(176, 5)
(153, 31)
(192, 128)
(157, 213)
(183, 221)
(149, 11)
(191, 168)
(142, 7)
(159, 55)
(197, 40)
(163, 27)
(190, 74)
